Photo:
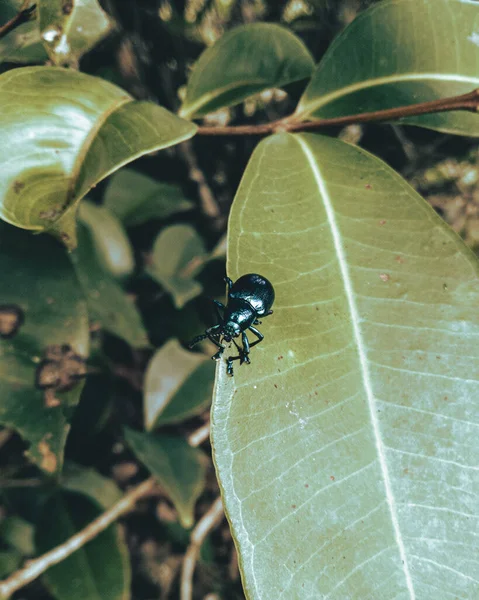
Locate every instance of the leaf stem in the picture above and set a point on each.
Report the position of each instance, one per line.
(22, 17)
(208, 521)
(469, 102)
(37, 566)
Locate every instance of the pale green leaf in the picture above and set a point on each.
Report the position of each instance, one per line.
(38, 278)
(99, 570)
(87, 481)
(179, 468)
(400, 52)
(64, 131)
(108, 304)
(18, 533)
(245, 61)
(347, 451)
(178, 385)
(136, 198)
(23, 44)
(69, 28)
(177, 254)
(112, 245)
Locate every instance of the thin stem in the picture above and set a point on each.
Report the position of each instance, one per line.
(468, 102)
(197, 437)
(37, 566)
(22, 17)
(207, 522)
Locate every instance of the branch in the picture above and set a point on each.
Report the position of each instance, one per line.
(22, 17)
(197, 437)
(468, 102)
(39, 565)
(207, 522)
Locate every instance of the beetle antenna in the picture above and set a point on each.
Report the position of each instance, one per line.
(197, 339)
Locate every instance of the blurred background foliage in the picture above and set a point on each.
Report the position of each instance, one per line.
(151, 256)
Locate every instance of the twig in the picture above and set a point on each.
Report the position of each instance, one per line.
(39, 565)
(208, 202)
(199, 435)
(22, 17)
(207, 522)
(468, 102)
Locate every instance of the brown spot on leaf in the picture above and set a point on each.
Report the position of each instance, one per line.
(368, 186)
(18, 186)
(12, 318)
(60, 370)
(384, 277)
(382, 222)
(67, 7)
(332, 477)
(49, 460)
(50, 215)
(399, 259)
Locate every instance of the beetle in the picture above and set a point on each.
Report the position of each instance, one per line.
(249, 297)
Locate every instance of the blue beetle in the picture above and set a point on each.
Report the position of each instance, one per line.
(249, 297)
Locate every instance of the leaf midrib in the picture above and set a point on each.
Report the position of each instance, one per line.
(362, 354)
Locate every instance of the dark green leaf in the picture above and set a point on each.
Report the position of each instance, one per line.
(400, 52)
(98, 570)
(38, 279)
(179, 468)
(136, 198)
(178, 385)
(107, 302)
(347, 451)
(23, 44)
(64, 131)
(245, 61)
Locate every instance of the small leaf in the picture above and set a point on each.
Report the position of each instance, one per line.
(69, 28)
(245, 61)
(177, 253)
(136, 198)
(107, 302)
(113, 248)
(23, 44)
(18, 533)
(38, 278)
(98, 570)
(9, 561)
(179, 468)
(400, 52)
(64, 131)
(88, 482)
(347, 451)
(178, 385)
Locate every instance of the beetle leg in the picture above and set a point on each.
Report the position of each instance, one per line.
(229, 283)
(219, 305)
(258, 334)
(246, 347)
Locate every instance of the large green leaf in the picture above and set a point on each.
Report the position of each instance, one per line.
(99, 570)
(38, 279)
(347, 452)
(108, 304)
(69, 28)
(245, 61)
(179, 468)
(62, 132)
(400, 52)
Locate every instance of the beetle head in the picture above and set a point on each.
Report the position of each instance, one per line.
(231, 330)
